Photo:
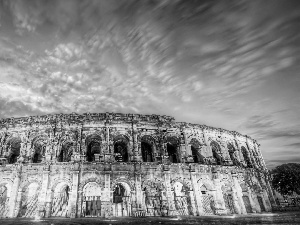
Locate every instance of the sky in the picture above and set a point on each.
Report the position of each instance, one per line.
(230, 64)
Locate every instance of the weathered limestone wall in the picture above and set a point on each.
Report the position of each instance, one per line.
(127, 165)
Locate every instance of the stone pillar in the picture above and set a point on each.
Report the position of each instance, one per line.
(18, 203)
(138, 191)
(253, 201)
(79, 204)
(105, 196)
(43, 192)
(48, 205)
(266, 201)
(239, 194)
(197, 197)
(74, 195)
(219, 200)
(15, 196)
(170, 195)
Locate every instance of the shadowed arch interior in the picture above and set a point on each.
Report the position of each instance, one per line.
(246, 157)
(215, 147)
(172, 149)
(147, 148)
(13, 145)
(66, 152)
(39, 146)
(121, 149)
(93, 143)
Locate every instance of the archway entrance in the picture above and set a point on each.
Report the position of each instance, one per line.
(261, 203)
(232, 154)
(207, 201)
(60, 201)
(153, 198)
(4, 200)
(215, 147)
(171, 149)
(228, 199)
(121, 200)
(246, 157)
(14, 145)
(39, 145)
(66, 152)
(91, 200)
(146, 152)
(182, 200)
(29, 201)
(121, 149)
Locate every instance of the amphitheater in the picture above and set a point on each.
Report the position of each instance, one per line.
(112, 164)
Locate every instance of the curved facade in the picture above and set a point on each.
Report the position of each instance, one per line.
(111, 164)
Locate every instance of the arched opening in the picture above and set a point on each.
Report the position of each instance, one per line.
(121, 149)
(246, 157)
(232, 154)
(228, 199)
(29, 204)
(215, 147)
(14, 146)
(195, 154)
(121, 200)
(60, 201)
(39, 147)
(146, 152)
(182, 200)
(245, 197)
(172, 153)
(91, 206)
(4, 200)
(66, 152)
(207, 200)
(93, 143)
(153, 198)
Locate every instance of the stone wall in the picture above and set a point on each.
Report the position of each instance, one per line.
(127, 165)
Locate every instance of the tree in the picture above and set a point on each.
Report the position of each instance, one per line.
(286, 178)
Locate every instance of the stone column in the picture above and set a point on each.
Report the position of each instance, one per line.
(48, 205)
(253, 201)
(219, 200)
(74, 195)
(170, 195)
(197, 196)
(43, 192)
(105, 196)
(15, 196)
(239, 194)
(266, 201)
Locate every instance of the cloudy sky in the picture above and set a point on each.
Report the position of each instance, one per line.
(232, 64)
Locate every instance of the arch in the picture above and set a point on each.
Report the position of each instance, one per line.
(93, 145)
(13, 149)
(216, 149)
(148, 148)
(121, 147)
(233, 154)
(121, 201)
(58, 182)
(66, 151)
(207, 199)
(182, 199)
(246, 157)
(173, 149)
(29, 199)
(92, 199)
(195, 148)
(60, 200)
(39, 144)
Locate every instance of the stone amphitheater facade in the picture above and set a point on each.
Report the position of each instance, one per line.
(112, 164)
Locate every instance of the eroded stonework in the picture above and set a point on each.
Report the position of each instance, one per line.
(111, 164)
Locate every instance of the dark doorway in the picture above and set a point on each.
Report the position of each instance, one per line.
(93, 148)
(173, 157)
(195, 154)
(146, 152)
(120, 149)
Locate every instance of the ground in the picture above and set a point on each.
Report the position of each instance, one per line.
(266, 218)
